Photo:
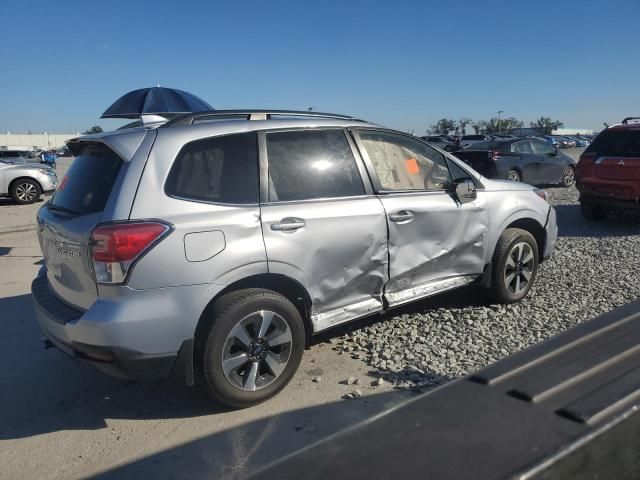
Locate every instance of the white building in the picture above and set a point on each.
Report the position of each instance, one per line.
(33, 141)
(572, 131)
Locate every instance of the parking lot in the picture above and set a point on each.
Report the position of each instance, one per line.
(61, 420)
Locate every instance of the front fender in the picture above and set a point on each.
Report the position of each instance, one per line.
(500, 226)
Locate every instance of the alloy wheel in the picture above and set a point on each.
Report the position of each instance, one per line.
(257, 350)
(26, 192)
(568, 177)
(519, 268)
(513, 177)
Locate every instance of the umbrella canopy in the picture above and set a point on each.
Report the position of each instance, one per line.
(156, 101)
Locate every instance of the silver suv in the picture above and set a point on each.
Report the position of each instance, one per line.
(215, 245)
(25, 182)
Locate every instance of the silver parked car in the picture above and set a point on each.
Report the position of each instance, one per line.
(217, 244)
(25, 182)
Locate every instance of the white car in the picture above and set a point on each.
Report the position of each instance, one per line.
(25, 182)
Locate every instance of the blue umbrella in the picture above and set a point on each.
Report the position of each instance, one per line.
(155, 101)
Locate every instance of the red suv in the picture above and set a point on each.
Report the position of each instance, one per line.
(608, 172)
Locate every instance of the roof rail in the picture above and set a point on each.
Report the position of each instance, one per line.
(191, 118)
(626, 120)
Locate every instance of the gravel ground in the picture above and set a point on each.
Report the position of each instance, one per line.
(594, 269)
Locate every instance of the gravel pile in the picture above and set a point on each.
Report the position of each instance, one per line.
(593, 270)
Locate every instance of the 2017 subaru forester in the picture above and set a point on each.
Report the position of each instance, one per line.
(216, 244)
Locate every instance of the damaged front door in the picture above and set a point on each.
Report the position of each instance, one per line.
(322, 225)
(435, 242)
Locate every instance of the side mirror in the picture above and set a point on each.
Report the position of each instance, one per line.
(466, 191)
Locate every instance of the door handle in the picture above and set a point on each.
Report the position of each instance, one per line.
(402, 216)
(288, 224)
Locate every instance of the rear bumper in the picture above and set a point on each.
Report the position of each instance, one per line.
(66, 328)
(597, 189)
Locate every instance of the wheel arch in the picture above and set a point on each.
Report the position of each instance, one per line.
(517, 169)
(283, 284)
(23, 177)
(525, 223)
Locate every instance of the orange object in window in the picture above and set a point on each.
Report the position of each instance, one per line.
(412, 166)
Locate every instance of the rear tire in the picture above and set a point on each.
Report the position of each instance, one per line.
(592, 213)
(569, 177)
(24, 191)
(513, 176)
(236, 358)
(515, 264)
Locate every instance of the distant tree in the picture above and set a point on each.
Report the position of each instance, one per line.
(546, 125)
(462, 124)
(443, 126)
(94, 129)
(493, 125)
(508, 124)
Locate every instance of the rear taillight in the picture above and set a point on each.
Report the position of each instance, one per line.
(493, 155)
(116, 246)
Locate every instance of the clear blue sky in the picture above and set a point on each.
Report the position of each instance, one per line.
(398, 63)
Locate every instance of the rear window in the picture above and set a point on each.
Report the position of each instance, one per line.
(218, 170)
(311, 164)
(88, 182)
(617, 143)
(487, 146)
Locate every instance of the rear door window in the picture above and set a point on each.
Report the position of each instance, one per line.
(542, 147)
(616, 143)
(521, 147)
(308, 164)
(86, 187)
(218, 170)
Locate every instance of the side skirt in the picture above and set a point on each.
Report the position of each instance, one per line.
(361, 308)
(428, 289)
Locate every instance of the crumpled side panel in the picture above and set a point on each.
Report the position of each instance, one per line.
(340, 254)
(444, 239)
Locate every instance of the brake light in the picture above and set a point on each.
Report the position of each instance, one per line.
(116, 246)
(493, 155)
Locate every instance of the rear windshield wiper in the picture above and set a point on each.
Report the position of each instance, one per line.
(63, 209)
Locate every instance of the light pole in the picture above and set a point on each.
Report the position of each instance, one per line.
(499, 113)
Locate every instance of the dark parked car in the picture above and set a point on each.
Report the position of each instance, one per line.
(467, 140)
(527, 160)
(441, 141)
(18, 156)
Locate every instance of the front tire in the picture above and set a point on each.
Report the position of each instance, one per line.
(24, 191)
(251, 348)
(515, 264)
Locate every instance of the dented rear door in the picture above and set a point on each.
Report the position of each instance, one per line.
(321, 226)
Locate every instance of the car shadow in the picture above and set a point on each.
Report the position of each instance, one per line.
(9, 202)
(471, 296)
(572, 224)
(44, 391)
(239, 451)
